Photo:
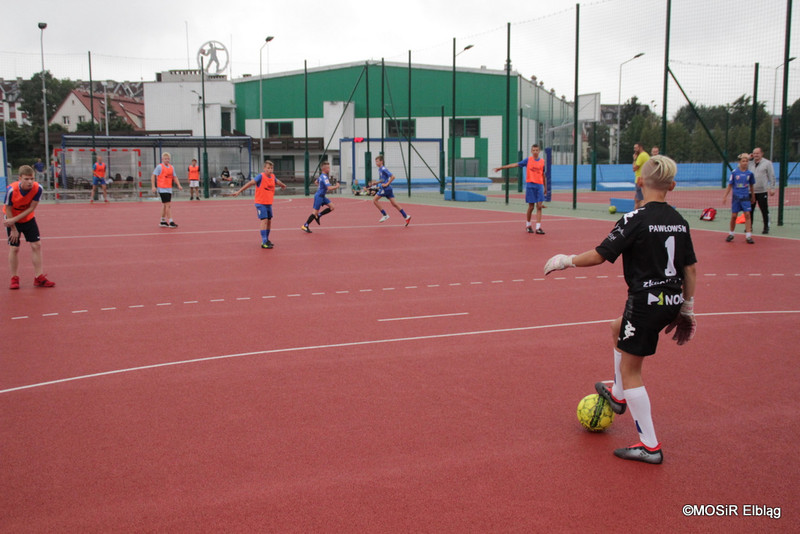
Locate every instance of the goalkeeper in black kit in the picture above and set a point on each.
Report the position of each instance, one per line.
(659, 265)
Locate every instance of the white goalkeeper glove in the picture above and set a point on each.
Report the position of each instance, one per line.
(684, 324)
(559, 262)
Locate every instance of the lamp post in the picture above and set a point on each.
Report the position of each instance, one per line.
(453, 124)
(774, 97)
(42, 26)
(619, 101)
(261, 101)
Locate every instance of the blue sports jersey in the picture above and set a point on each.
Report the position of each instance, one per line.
(324, 183)
(741, 182)
(383, 176)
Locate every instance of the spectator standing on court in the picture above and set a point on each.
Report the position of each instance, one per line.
(764, 174)
(385, 179)
(161, 183)
(320, 198)
(39, 168)
(99, 179)
(535, 186)
(741, 182)
(194, 180)
(659, 265)
(265, 193)
(640, 157)
(21, 200)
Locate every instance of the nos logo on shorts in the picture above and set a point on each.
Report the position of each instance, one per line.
(661, 299)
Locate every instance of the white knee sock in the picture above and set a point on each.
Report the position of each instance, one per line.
(639, 405)
(617, 390)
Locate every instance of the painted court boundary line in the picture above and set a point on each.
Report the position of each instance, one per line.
(355, 344)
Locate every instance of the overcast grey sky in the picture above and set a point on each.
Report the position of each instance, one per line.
(714, 43)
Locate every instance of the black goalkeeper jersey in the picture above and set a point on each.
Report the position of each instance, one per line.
(655, 245)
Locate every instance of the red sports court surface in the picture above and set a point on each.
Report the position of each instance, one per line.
(375, 378)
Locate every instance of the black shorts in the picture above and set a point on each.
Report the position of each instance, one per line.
(29, 229)
(646, 315)
(166, 198)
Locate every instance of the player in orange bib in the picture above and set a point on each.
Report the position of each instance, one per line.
(194, 180)
(265, 193)
(21, 200)
(99, 178)
(535, 188)
(161, 182)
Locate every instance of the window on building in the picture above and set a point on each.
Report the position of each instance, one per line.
(465, 127)
(81, 118)
(283, 166)
(65, 119)
(401, 128)
(280, 129)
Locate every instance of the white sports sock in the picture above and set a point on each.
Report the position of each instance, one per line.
(527, 224)
(617, 390)
(639, 405)
(538, 225)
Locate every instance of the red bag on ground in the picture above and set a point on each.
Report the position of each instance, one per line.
(708, 214)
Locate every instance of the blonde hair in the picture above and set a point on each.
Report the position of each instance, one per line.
(744, 155)
(659, 172)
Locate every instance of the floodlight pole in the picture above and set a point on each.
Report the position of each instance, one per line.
(42, 26)
(453, 124)
(619, 103)
(261, 100)
(205, 142)
(774, 98)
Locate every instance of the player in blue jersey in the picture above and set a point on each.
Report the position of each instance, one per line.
(659, 265)
(320, 199)
(742, 183)
(385, 179)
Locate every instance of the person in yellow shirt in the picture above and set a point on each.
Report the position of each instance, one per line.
(640, 157)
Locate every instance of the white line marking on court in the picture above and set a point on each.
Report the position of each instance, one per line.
(581, 277)
(242, 298)
(217, 300)
(538, 279)
(80, 311)
(732, 274)
(388, 289)
(602, 276)
(164, 304)
(423, 317)
(433, 285)
(342, 292)
(49, 314)
(318, 293)
(411, 287)
(136, 306)
(518, 280)
(108, 309)
(475, 283)
(364, 290)
(497, 281)
(268, 297)
(190, 301)
(356, 344)
(709, 274)
(19, 317)
(294, 295)
(455, 284)
(754, 274)
(777, 274)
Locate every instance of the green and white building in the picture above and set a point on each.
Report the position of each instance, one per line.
(334, 105)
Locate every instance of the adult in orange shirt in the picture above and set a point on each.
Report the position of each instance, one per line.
(99, 178)
(265, 193)
(535, 186)
(21, 200)
(194, 180)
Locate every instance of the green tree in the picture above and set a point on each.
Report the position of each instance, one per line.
(31, 93)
